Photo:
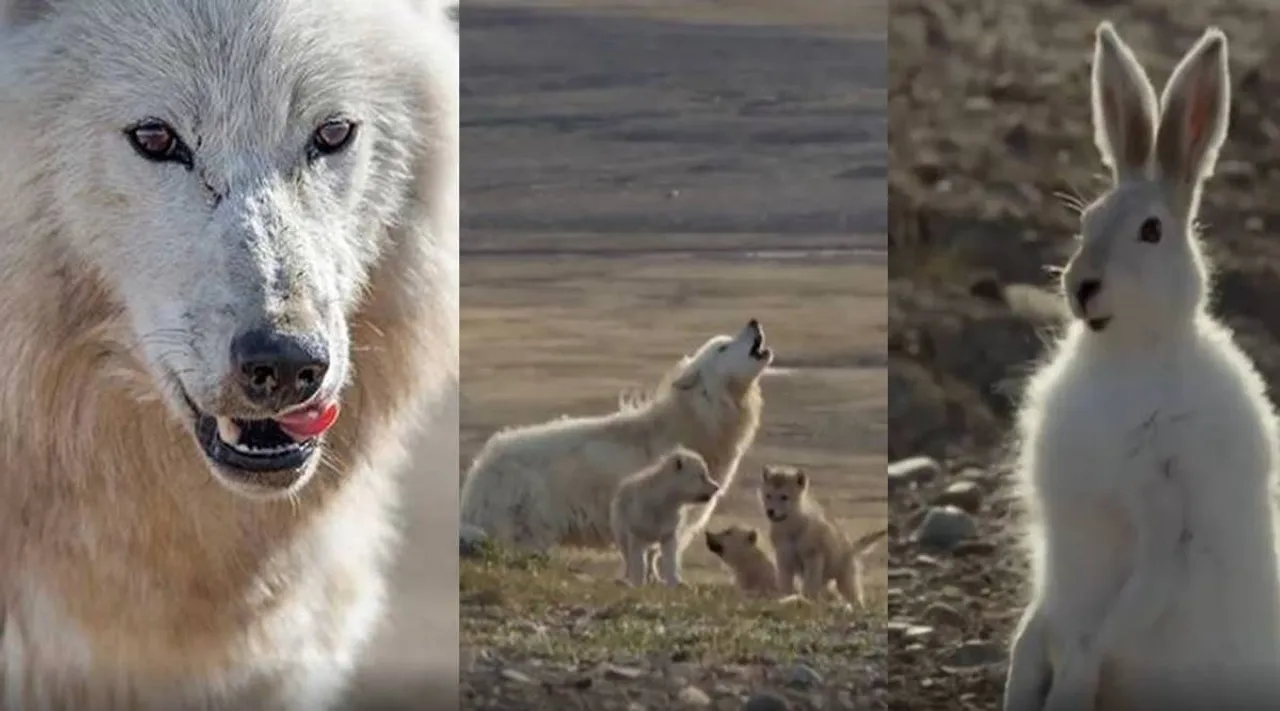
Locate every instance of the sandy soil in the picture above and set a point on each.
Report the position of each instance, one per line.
(638, 178)
(990, 118)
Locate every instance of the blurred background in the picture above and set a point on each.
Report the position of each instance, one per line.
(989, 120)
(637, 177)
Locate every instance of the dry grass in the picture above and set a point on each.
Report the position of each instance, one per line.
(540, 632)
(582, 617)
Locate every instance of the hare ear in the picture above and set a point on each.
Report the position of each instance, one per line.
(801, 479)
(1194, 112)
(1124, 106)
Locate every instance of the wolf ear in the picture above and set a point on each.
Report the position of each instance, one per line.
(1124, 106)
(1195, 109)
(688, 381)
(17, 13)
(752, 536)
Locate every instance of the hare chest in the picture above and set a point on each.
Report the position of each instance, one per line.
(1094, 446)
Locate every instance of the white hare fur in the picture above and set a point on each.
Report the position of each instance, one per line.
(553, 483)
(1148, 446)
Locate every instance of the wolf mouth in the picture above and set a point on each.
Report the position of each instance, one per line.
(758, 351)
(250, 446)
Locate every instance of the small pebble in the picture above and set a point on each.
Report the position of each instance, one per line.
(693, 696)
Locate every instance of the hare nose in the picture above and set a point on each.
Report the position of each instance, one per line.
(1088, 289)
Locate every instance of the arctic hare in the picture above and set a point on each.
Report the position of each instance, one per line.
(1148, 447)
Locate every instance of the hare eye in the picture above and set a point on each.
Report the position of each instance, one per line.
(1150, 230)
(679, 465)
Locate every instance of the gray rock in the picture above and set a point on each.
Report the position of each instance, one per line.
(693, 696)
(972, 655)
(802, 676)
(945, 527)
(940, 613)
(766, 701)
(618, 671)
(975, 474)
(964, 494)
(917, 632)
(913, 471)
(517, 676)
(471, 540)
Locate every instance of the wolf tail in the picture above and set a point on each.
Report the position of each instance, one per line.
(864, 543)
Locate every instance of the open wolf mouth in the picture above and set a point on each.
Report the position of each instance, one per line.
(758, 351)
(284, 443)
(713, 544)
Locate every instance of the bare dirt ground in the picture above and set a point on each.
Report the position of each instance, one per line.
(637, 178)
(989, 116)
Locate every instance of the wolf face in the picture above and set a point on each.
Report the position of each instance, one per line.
(231, 177)
(732, 362)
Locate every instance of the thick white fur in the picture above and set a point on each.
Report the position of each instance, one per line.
(1148, 447)
(540, 485)
(132, 575)
(647, 511)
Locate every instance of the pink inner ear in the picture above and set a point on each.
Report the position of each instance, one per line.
(1198, 112)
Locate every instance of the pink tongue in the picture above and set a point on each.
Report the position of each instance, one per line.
(309, 422)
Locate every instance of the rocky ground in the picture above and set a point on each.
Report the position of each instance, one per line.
(544, 633)
(989, 120)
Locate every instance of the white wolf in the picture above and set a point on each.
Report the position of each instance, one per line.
(218, 221)
(551, 483)
(1149, 449)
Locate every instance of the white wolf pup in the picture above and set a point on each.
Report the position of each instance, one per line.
(220, 221)
(648, 508)
(1148, 447)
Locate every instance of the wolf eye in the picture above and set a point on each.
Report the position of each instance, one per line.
(156, 141)
(1150, 230)
(332, 136)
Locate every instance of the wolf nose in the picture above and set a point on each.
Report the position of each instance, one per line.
(277, 370)
(1087, 290)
